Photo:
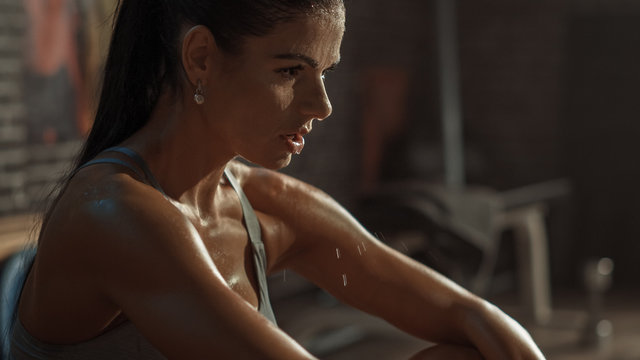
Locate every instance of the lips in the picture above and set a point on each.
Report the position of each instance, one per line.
(295, 142)
(295, 139)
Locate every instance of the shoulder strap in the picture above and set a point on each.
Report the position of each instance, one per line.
(110, 161)
(141, 163)
(137, 159)
(259, 254)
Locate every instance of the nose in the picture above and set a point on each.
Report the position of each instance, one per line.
(316, 103)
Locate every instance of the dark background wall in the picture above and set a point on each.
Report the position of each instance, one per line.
(548, 89)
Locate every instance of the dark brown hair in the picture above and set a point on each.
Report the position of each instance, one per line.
(143, 56)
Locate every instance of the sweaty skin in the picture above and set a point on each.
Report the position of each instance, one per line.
(180, 269)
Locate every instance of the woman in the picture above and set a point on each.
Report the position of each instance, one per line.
(152, 249)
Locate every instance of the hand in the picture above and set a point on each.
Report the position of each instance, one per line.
(497, 336)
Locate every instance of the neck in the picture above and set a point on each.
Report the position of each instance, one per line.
(187, 167)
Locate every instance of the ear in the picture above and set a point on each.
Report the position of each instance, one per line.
(198, 51)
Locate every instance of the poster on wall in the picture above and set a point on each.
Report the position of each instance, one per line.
(65, 45)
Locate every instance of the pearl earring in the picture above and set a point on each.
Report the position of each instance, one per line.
(198, 97)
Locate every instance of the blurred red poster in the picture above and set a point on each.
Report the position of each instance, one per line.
(57, 108)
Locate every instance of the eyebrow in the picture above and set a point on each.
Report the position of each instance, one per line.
(309, 60)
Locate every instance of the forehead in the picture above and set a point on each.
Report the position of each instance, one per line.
(317, 35)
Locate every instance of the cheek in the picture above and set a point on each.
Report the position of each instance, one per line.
(257, 106)
(265, 108)
(268, 102)
(260, 114)
(283, 96)
(264, 97)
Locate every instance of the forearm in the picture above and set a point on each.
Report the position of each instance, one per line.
(436, 309)
(422, 302)
(411, 296)
(425, 304)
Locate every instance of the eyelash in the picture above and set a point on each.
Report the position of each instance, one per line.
(292, 72)
(324, 73)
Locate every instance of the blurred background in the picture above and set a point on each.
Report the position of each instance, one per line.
(491, 139)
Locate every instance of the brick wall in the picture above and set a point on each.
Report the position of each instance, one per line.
(27, 169)
(13, 153)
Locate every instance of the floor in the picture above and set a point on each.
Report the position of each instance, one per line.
(567, 338)
(336, 332)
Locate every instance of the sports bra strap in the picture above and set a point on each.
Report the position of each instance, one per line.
(137, 159)
(110, 161)
(259, 253)
(141, 163)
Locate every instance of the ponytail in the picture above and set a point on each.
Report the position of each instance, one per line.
(137, 66)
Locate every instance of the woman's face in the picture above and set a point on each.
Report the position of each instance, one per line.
(269, 96)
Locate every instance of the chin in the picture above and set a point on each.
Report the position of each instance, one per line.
(272, 164)
(281, 163)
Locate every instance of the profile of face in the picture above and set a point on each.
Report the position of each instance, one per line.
(267, 97)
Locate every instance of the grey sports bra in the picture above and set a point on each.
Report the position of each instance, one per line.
(124, 341)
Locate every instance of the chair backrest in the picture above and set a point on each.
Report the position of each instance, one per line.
(12, 280)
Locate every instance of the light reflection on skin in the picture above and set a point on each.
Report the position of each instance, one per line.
(103, 206)
(233, 281)
(344, 276)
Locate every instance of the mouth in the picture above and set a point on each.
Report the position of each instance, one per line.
(295, 142)
(295, 139)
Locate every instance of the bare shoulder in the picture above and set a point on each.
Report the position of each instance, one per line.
(108, 236)
(115, 205)
(304, 216)
(267, 189)
(106, 218)
(252, 176)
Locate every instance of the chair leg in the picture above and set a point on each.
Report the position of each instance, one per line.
(533, 262)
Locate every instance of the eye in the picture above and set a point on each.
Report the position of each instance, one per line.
(290, 72)
(328, 70)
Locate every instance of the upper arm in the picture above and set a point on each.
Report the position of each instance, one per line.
(330, 247)
(154, 267)
(320, 239)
